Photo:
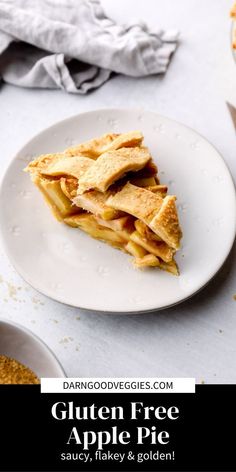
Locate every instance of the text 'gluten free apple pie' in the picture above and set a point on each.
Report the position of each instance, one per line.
(109, 188)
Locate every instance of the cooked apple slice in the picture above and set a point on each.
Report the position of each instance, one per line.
(143, 181)
(159, 249)
(126, 233)
(118, 224)
(160, 189)
(69, 187)
(95, 202)
(170, 267)
(89, 224)
(147, 261)
(60, 205)
(134, 249)
(145, 231)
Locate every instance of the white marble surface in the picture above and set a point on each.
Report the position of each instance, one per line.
(196, 338)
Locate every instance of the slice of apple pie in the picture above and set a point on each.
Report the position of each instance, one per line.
(109, 188)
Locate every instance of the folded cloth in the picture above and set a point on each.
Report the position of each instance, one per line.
(73, 45)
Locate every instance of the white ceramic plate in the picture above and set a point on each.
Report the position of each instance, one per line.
(71, 267)
(21, 344)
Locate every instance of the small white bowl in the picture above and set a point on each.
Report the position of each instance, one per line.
(21, 344)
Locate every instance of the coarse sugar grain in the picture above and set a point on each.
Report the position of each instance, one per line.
(13, 372)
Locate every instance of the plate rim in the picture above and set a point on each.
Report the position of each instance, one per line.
(129, 311)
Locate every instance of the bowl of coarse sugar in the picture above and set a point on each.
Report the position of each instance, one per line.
(24, 358)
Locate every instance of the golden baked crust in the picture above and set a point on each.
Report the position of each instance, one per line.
(92, 148)
(109, 188)
(136, 201)
(75, 166)
(42, 162)
(166, 223)
(107, 142)
(131, 139)
(111, 166)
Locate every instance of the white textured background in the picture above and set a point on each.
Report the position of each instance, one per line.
(198, 337)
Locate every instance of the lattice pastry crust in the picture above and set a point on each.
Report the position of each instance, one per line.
(109, 188)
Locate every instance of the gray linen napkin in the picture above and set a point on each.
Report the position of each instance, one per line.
(72, 45)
